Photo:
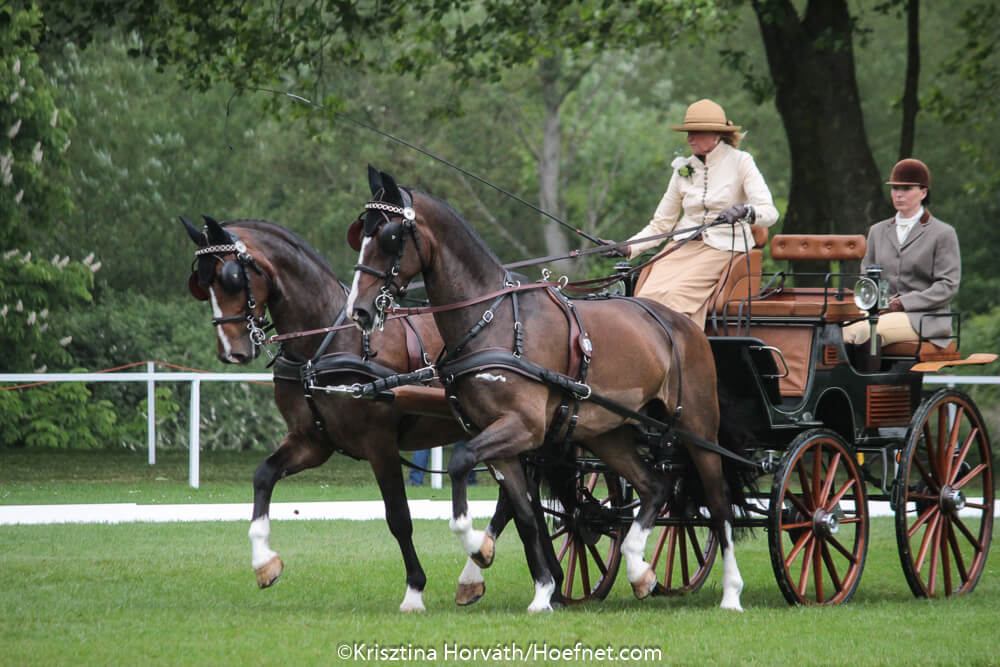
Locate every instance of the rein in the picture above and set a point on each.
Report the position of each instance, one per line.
(398, 312)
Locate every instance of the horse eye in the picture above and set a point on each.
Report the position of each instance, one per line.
(231, 277)
(390, 238)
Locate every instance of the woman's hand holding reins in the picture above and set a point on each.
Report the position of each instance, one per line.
(612, 250)
(737, 213)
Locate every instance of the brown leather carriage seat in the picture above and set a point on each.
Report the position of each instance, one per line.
(925, 351)
(808, 303)
(831, 305)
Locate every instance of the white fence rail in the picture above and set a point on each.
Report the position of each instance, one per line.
(151, 377)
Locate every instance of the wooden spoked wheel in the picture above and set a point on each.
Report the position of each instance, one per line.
(682, 555)
(588, 539)
(944, 497)
(818, 520)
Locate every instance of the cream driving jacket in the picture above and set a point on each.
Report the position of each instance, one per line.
(727, 177)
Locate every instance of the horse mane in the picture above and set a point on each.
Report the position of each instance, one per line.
(447, 211)
(286, 235)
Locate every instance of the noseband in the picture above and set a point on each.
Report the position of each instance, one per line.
(257, 325)
(395, 224)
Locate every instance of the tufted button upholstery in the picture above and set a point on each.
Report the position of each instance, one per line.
(826, 247)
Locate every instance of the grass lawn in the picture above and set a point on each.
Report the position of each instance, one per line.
(184, 593)
(41, 477)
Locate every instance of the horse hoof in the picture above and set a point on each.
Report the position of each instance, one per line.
(484, 557)
(269, 572)
(467, 594)
(644, 585)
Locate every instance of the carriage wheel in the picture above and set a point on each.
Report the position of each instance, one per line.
(588, 541)
(944, 497)
(818, 520)
(682, 556)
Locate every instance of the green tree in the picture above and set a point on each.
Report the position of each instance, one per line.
(34, 290)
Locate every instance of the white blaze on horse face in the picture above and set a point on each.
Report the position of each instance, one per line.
(357, 276)
(217, 314)
(260, 532)
(732, 582)
(634, 547)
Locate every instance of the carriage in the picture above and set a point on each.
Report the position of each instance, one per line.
(824, 430)
(835, 430)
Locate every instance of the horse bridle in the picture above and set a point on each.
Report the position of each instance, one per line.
(392, 233)
(235, 278)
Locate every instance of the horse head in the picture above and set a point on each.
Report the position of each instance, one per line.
(391, 250)
(227, 273)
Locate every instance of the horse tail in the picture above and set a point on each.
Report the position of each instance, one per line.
(736, 437)
(688, 490)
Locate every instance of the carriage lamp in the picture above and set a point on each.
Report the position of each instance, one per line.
(865, 294)
(871, 293)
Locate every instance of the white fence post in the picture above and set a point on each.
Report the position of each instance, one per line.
(151, 412)
(437, 458)
(194, 442)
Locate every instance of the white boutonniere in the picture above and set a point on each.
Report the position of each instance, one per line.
(682, 167)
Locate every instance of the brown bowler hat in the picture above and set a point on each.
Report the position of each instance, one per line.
(910, 172)
(706, 115)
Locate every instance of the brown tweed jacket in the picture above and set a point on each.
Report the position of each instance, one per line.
(924, 273)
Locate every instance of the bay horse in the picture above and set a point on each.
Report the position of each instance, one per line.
(522, 357)
(248, 268)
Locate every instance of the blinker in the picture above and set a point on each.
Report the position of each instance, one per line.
(197, 291)
(354, 233)
(231, 277)
(390, 237)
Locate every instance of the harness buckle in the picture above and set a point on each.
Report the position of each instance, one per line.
(584, 397)
(488, 316)
(383, 301)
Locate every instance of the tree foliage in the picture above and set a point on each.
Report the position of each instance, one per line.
(181, 130)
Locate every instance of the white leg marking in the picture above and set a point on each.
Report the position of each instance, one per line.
(217, 313)
(489, 377)
(634, 548)
(471, 573)
(732, 582)
(260, 531)
(349, 308)
(470, 539)
(543, 597)
(414, 600)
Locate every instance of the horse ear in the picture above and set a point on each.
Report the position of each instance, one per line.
(374, 179)
(216, 234)
(392, 193)
(196, 234)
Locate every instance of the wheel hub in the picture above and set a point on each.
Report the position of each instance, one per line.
(825, 524)
(952, 500)
(588, 521)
